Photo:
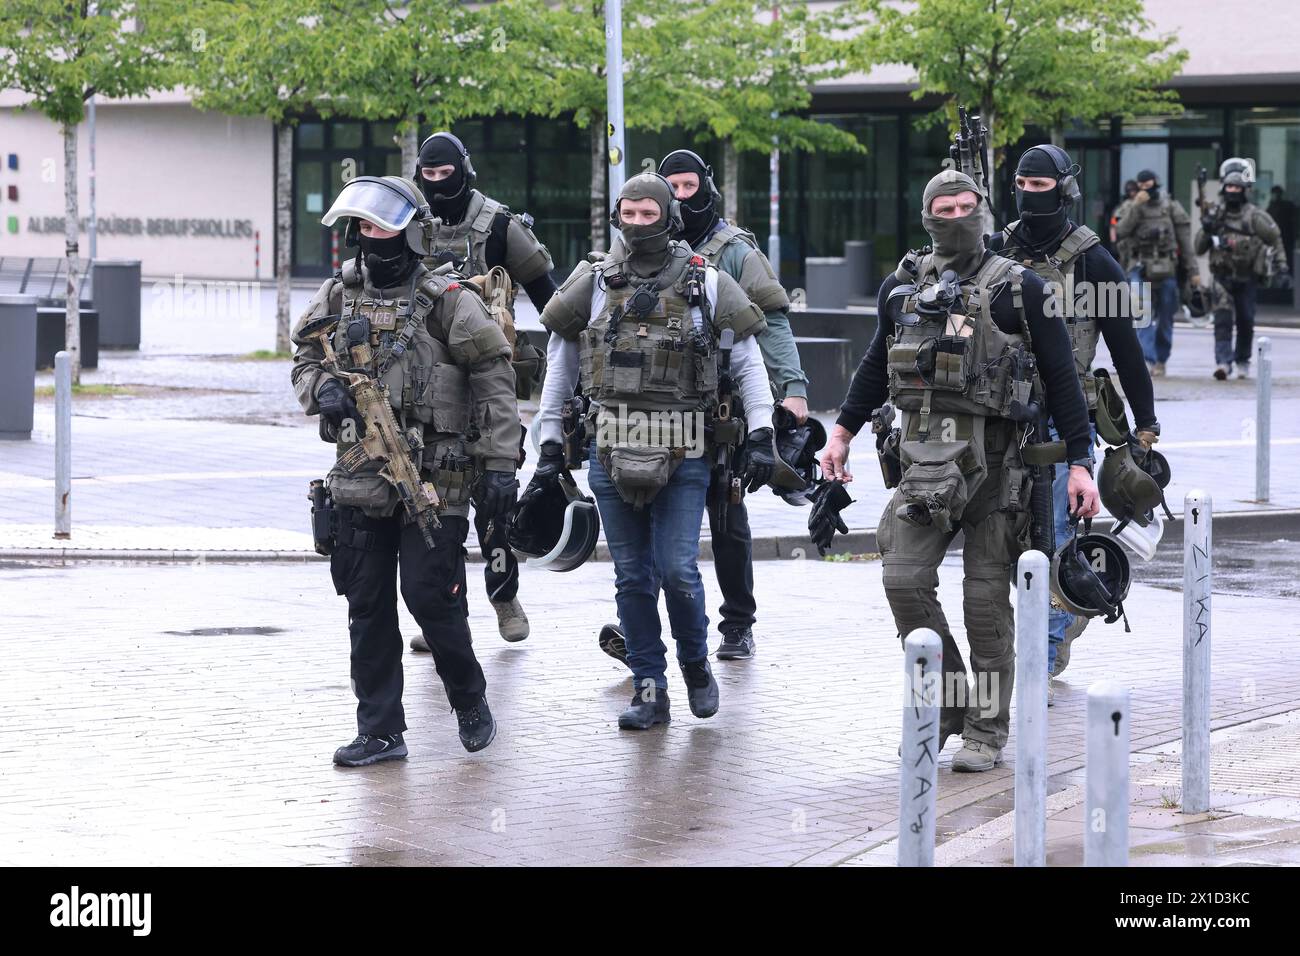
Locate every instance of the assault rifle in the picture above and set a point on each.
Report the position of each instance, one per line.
(969, 150)
(382, 440)
(726, 434)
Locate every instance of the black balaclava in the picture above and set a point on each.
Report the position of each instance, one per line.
(448, 197)
(1154, 192)
(958, 243)
(388, 261)
(1044, 216)
(699, 213)
(1234, 200)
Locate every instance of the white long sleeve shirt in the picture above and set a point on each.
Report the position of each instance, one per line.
(562, 369)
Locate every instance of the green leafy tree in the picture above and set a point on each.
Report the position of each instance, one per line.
(277, 59)
(1024, 61)
(60, 53)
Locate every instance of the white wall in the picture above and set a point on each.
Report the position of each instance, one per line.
(158, 160)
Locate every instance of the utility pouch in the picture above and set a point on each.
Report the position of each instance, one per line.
(1016, 486)
(932, 493)
(891, 464)
(1041, 454)
(623, 371)
(322, 517)
(367, 490)
(639, 473)
(453, 472)
(529, 363)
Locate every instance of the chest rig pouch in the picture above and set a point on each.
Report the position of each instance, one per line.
(649, 366)
(389, 340)
(950, 368)
(1156, 246)
(1058, 268)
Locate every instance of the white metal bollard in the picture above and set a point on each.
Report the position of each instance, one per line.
(919, 766)
(1032, 595)
(1105, 825)
(1198, 585)
(1263, 415)
(62, 445)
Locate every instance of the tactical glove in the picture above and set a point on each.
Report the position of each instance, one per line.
(829, 499)
(495, 493)
(336, 405)
(1282, 280)
(550, 463)
(760, 459)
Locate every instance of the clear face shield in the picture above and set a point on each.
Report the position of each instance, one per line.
(373, 200)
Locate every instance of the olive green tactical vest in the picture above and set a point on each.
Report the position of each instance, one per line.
(721, 238)
(1239, 253)
(952, 372)
(466, 241)
(665, 361)
(1155, 244)
(429, 392)
(1059, 268)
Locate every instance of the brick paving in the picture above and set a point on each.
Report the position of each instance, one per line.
(128, 738)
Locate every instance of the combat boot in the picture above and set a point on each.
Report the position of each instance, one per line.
(477, 728)
(1158, 369)
(418, 643)
(737, 645)
(976, 757)
(1221, 372)
(1073, 630)
(512, 622)
(613, 643)
(371, 748)
(643, 714)
(701, 688)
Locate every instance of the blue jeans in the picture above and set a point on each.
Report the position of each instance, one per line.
(657, 547)
(1157, 338)
(1057, 619)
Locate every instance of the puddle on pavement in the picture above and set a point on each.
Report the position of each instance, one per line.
(1241, 566)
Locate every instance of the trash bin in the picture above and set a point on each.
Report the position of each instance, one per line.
(117, 300)
(17, 366)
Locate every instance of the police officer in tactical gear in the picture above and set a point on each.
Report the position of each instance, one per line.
(1123, 254)
(959, 335)
(1157, 227)
(734, 251)
(1072, 257)
(642, 330)
(1245, 247)
(481, 238)
(444, 365)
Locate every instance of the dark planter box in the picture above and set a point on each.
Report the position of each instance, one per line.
(50, 336)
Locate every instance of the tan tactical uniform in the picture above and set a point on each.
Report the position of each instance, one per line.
(445, 365)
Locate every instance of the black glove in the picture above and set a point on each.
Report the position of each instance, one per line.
(495, 493)
(550, 463)
(760, 459)
(337, 406)
(1282, 280)
(829, 499)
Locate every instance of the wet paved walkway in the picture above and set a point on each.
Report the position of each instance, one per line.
(187, 714)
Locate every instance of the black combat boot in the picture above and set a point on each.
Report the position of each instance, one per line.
(613, 643)
(477, 728)
(737, 645)
(701, 688)
(643, 714)
(368, 749)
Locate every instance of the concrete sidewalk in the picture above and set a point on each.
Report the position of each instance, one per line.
(187, 714)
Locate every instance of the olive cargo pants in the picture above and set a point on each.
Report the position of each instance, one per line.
(994, 541)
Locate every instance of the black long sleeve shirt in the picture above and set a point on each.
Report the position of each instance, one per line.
(1099, 266)
(540, 289)
(1051, 344)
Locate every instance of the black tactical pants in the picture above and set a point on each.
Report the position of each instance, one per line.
(911, 555)
(1242, 315)
(733, 562)
(502, 571)
(364, 567)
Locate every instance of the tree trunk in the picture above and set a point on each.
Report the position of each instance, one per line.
(599, 197)
(730, 181)
(987, 117)
(283, 232)
(410, 148)
(72, 321)
(1058, 136)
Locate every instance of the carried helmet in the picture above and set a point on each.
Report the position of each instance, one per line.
(1197, 301)
(1112, 419)
(556, 527)
(390, 202)
(1129, 490)
(796, 455)
(1091, 576)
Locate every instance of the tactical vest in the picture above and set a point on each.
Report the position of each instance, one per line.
(389, 340)
(464, 244)
(1155, 245)
(1058, 268)
(721, 238)
(1240, 253)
